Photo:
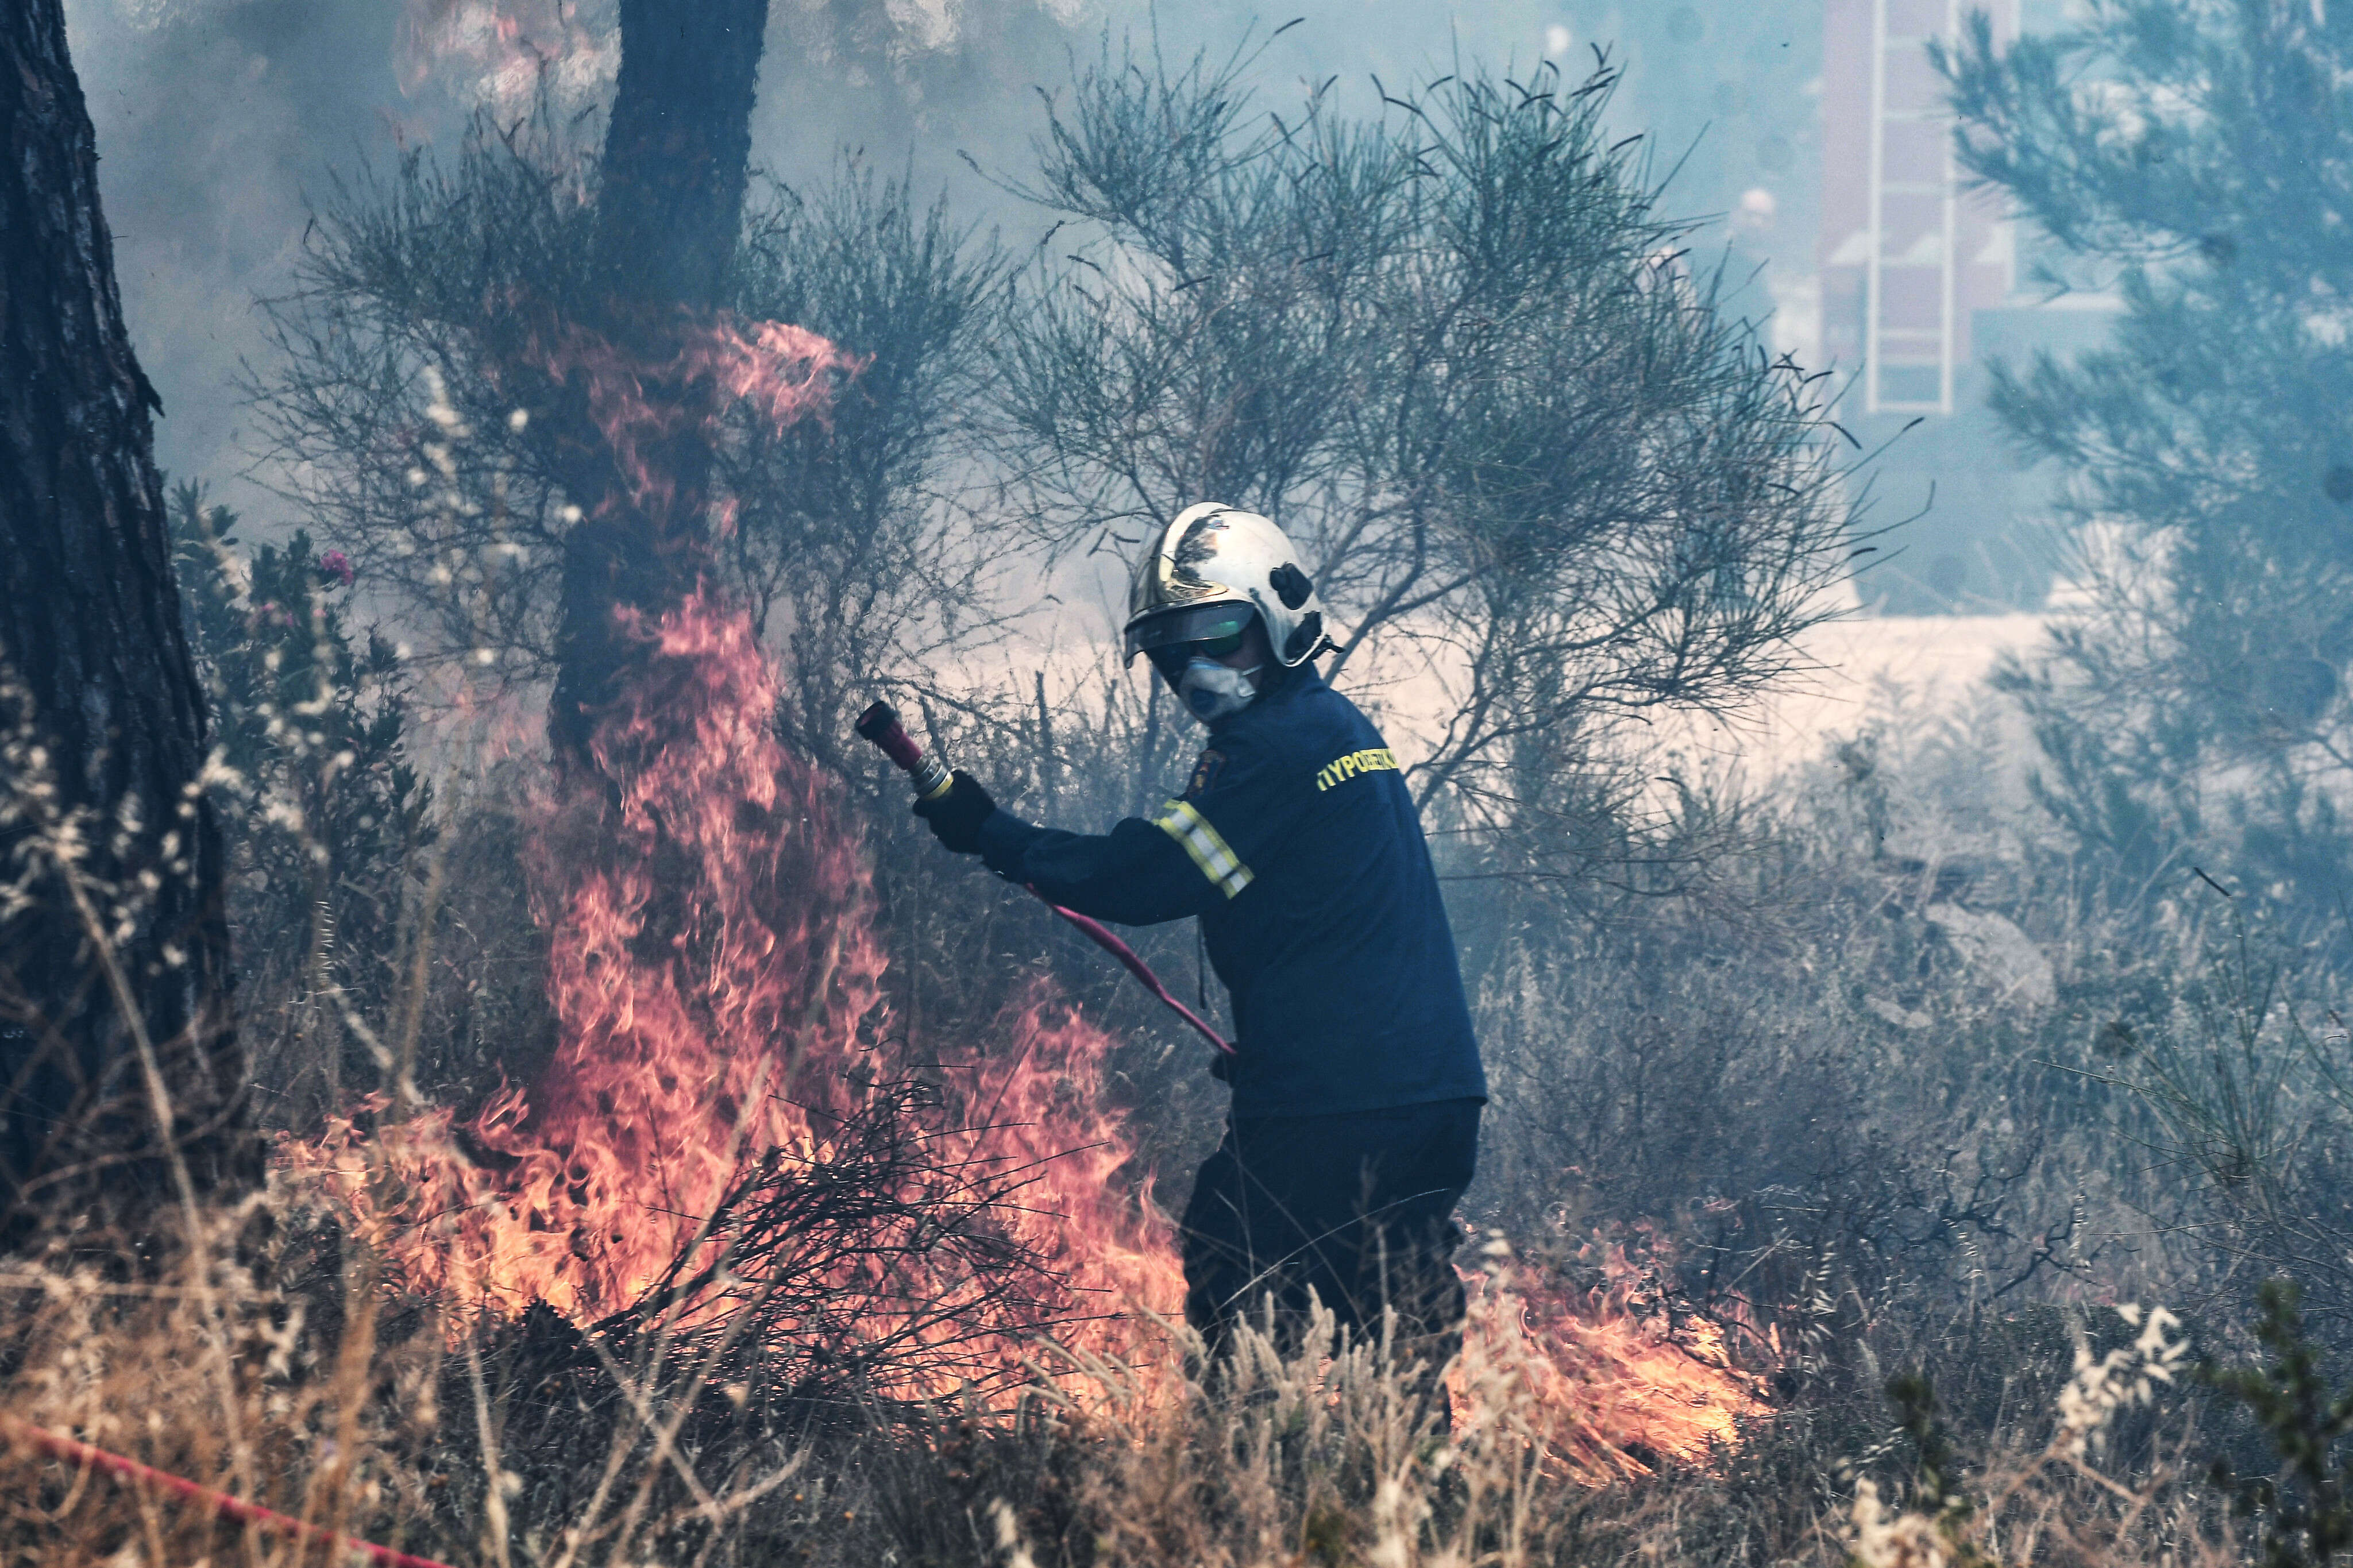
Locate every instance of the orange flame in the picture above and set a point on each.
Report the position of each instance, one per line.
(713, 964)
(1606, 1389)
(771, 373)
(714, 972)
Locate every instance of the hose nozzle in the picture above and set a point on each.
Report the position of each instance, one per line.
(880, 725)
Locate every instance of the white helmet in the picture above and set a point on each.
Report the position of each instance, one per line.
(1205, 572)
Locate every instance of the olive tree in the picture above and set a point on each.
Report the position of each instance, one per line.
(1458, 353)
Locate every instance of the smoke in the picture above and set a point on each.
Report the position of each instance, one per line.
(215, 119)
(220, 122)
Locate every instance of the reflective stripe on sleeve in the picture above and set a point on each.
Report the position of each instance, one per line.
(1205, 845)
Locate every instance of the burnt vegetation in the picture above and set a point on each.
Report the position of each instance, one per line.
(1870, 1087)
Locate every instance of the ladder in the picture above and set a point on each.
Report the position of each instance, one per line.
(1911, 267)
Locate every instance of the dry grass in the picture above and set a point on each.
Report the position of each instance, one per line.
(267, 1360)
(248, 1358)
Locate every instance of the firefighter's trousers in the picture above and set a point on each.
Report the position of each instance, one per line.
(1357, 1207)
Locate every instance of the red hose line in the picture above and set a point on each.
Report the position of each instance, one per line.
(880, 725)
(79, 1453)
(1102, 938)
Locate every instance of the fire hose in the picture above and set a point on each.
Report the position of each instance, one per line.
(74, 1452)
(932, 780)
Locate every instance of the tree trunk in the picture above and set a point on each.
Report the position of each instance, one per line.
(670, 208)
(100, 705)
(678, 150)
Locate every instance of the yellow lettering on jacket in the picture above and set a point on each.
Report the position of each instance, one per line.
(1340, 770)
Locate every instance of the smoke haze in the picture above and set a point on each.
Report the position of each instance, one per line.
(1886, 942)
(221, 122)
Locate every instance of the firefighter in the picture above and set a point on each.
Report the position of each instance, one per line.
(1356, 1085)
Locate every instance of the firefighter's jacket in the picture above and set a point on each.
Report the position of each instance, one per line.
(1298, 846)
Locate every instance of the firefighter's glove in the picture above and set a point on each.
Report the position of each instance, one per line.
(955, 817)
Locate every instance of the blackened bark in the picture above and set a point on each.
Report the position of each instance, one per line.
(670, 209)
(99, 678)
(678, 149)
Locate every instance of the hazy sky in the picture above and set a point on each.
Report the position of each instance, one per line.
(220, 122)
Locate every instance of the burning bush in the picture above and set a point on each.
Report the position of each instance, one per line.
(730, 1103)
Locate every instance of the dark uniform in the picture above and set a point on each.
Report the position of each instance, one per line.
(1356, 1085)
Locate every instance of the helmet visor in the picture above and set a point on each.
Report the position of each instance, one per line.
(1194, 623)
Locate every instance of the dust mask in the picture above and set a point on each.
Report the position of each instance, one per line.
(1213, 691)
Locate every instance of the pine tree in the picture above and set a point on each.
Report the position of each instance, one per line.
(121, 1076)
(2195, 156)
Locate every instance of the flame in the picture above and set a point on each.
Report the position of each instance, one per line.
(769, 372)
(715, 977)
(716, 980)
(1604, 1387)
